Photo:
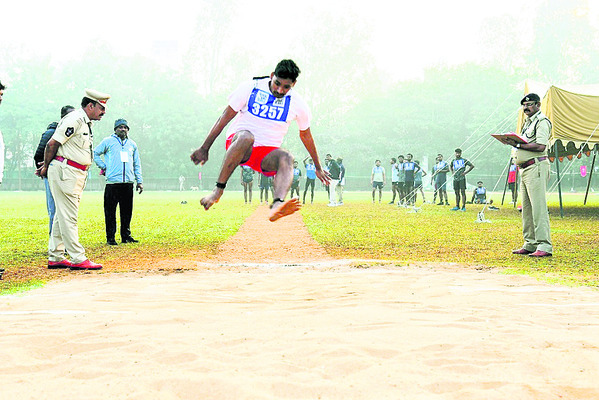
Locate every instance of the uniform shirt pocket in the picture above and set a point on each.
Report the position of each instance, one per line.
(84, 141)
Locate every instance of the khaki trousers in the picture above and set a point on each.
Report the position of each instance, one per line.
(66, 185)
(339, 190)
(535, 216)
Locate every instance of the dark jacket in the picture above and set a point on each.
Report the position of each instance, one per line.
(334, 169)
(41, 147)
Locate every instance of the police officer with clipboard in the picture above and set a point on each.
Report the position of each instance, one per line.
(533, 163)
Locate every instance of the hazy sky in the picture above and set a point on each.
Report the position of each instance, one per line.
(430, 32)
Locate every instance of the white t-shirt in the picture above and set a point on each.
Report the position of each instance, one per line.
(378, 173)
(264, 115)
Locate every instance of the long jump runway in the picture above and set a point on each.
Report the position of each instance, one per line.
(301, 331)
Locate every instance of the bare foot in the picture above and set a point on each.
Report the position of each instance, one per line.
(280, 210)
(212, 198)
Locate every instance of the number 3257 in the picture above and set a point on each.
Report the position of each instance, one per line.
(265, 111)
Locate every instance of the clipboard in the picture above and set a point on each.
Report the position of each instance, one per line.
(509, 135)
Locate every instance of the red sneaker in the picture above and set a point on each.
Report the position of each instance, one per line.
(59, 264)
(87, 264)
(540, 253)
(521, 251)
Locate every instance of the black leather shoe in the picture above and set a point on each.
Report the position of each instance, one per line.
(130, 240)
(111, 242)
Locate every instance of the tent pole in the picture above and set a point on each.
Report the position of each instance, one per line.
(559, 182)
(506, 179)
(590, 177)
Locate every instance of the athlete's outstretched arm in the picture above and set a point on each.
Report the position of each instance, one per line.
(308, 141)
(200, 156)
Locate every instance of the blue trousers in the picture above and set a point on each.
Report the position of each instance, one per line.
(49, 203)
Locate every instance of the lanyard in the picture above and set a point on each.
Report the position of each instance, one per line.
(121, 143)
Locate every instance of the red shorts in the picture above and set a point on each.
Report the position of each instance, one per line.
(258, 154)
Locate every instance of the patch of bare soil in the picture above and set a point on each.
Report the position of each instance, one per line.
(261, 241)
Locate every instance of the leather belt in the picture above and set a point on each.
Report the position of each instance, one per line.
(530, 162)
(72, 163)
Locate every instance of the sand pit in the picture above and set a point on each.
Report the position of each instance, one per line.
(301, 329)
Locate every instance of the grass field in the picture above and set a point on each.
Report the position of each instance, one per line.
(359, 229)
(165, 227)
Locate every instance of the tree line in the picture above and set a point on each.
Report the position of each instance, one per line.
(357, 114)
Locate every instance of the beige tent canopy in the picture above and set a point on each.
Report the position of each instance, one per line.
(574, 115)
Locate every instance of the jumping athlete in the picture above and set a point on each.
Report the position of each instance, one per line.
(261, 111)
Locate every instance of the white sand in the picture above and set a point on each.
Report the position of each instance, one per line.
(301, 332)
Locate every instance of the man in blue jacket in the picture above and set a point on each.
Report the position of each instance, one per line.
(121, 166)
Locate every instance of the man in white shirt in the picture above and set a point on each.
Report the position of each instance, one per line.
(261, 111)
(394, 179)
(377, 179)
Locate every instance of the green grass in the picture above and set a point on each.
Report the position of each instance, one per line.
(17, 287)
(165, 227)
(168, 229)
(360, 229)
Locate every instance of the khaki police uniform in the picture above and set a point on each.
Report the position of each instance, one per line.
(67, 175)
(533, 185)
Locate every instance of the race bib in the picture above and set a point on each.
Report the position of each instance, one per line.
(457, 164)
(264, 105)
(124, 156)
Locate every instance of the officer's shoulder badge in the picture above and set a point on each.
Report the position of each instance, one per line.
(70, 130)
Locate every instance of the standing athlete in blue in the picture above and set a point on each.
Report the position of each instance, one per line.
(410, 168)
(460, 167)
(295, 183)
(310, 178)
